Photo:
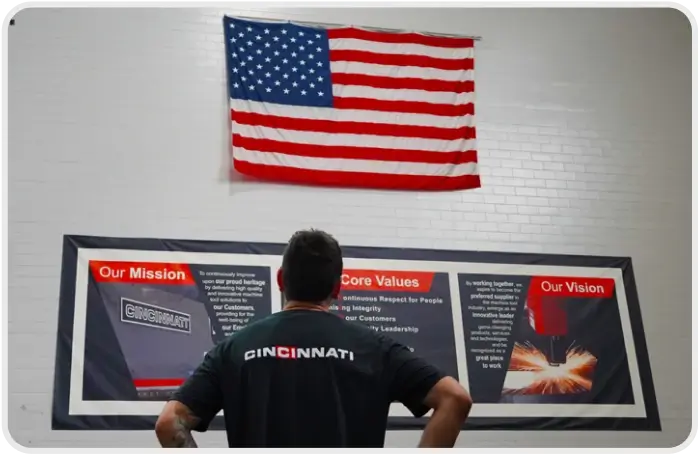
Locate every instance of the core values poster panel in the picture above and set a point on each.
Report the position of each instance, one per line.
(411, 307)
(537, 346)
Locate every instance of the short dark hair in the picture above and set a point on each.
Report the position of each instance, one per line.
(312, 266)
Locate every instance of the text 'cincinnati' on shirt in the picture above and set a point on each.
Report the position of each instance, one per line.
(288, 352)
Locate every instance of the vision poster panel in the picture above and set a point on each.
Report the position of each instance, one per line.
(540, 341)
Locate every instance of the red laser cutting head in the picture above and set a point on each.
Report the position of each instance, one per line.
(547, 316)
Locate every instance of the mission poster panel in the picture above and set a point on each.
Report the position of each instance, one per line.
(542, 342)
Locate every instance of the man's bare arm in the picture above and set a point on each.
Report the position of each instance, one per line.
(451, 404)
(174, 425)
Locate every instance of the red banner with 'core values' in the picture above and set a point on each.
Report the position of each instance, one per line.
(382, 280)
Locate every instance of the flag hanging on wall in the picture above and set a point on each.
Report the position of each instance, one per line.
(351, 107)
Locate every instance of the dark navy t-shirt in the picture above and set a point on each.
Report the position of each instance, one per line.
(303, 378)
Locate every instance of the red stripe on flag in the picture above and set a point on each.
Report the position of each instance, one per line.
(400, 38)
(352, 127)
(357, 179)
(367, 153)
(421, 61)
(416, 107)
(157, 382)
(398, 83)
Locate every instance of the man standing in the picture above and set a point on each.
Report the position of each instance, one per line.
(305, 377)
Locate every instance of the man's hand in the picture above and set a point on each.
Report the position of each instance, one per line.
(174, 425)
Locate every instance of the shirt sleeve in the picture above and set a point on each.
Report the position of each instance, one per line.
(410, 378)
(202, 392)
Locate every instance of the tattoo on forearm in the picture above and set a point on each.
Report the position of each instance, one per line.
(179, 435)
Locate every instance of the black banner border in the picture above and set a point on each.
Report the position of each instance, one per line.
(62, 420)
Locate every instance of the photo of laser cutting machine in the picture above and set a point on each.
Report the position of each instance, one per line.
(547, 315)
(558, 367)
(163, 334)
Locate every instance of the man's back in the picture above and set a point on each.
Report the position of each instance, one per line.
(307, 378)
(311, 379)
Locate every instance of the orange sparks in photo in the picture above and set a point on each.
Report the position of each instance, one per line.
(531, 374)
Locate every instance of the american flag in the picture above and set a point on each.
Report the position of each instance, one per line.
(351, 107)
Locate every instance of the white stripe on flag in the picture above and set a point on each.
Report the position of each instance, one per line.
(325, 113)
(351, 140)
(369, 69)
(400, 48)
(385, 94)
(354, 165)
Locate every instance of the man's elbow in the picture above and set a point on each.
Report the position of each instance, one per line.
(456, 399)
(462, 403)
(163, 426)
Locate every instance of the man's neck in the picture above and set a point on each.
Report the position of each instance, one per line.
(300, 305)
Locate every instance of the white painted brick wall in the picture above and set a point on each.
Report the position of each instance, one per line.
(118, 126)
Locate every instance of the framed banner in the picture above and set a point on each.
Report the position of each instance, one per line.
(541, 341)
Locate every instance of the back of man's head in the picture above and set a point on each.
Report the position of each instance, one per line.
(312, 267)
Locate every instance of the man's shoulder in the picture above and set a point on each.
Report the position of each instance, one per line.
(365, 333)
(255, 327)
(337, 324)
(358, 328)
(246, 331)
